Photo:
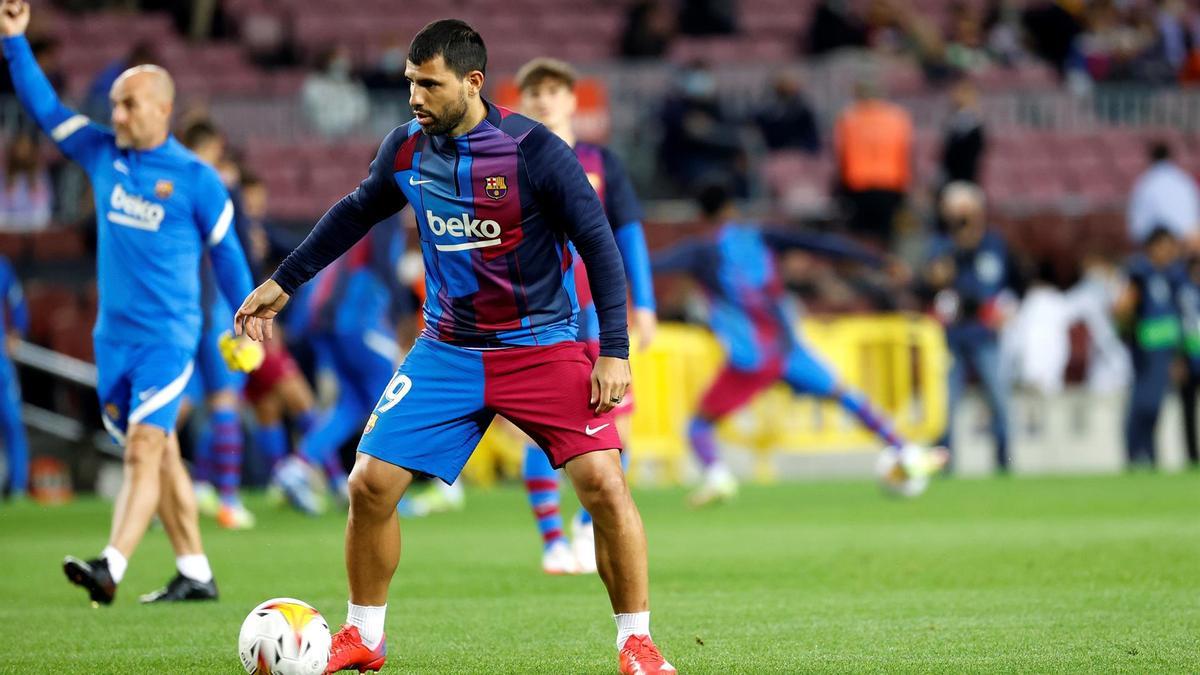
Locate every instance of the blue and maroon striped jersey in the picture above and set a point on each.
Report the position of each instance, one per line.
(608, 177)
(496, 208)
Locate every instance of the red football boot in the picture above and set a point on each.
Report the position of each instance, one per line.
(639, 656)
(347, 652)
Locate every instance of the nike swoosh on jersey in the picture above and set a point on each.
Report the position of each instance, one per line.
(592, 432)
(414, 183)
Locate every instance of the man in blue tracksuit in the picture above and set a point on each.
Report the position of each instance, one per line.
(158, 209)
(14, 321)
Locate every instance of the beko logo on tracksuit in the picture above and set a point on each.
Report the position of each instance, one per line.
(133, 211)
(484, 232)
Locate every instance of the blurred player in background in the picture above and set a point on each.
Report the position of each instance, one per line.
(349, 314)
(14, 322)
(1148, 307)
(548, 95)
(158, 209)
(497, 198)
(218, 455)
(277, 389)
(752, 317)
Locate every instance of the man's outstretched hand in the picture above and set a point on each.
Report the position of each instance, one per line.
(256, 316)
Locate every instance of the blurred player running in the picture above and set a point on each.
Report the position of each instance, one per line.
(497, 197)
(348, 314)
(752, 318)
(548, 95)
(158, 208)
(219, 450)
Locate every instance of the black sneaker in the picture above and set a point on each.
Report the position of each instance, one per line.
(93, 575)
(183, 588)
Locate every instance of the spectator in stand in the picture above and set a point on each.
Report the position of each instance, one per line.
(1164, 196)
(335, 102)
(786, 120)
(387, 75)
(872, 144)
(25, 192)
(835, 26)
(1052, 27)
(1148, 309)
(966, 49)
(1005, 36)
(700, 143)
(963, 141)
(649, 29)
(707, 17)
(969, 278)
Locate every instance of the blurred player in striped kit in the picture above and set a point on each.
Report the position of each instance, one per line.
(548, 95)
(751, 315)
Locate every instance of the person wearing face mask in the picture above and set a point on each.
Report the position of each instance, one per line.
(334, 100)
(969, 276)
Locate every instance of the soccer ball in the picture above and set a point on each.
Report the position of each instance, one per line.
(284, 636)
(906, 472)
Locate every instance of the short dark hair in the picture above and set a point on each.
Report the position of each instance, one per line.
(455, 41)
(712, 199)
(1159, 233)
(1160, 150)
(251, 179)
(200, 131)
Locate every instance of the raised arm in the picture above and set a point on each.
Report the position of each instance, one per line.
(826, 244)
(75, 134)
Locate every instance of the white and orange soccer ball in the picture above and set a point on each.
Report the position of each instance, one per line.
(284, 636)
(905, 472)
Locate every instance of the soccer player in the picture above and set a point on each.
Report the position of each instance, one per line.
(752, 318)
(548, 95)
(348, 314)
(14, 321)
(158, 209)
(219, 450)
(497, 197)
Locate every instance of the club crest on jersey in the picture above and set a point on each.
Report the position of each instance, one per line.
(495, 186)
(112, 411)
(164, 188)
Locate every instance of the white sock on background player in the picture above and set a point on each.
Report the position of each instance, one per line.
(194, 566)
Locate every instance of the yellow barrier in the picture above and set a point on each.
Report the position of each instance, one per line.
(898, 361)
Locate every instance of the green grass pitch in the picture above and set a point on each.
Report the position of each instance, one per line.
(989, 576)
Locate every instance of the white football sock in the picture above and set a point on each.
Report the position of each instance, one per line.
(117, 563)
(369, 622)
(637, 623)
(194, 566)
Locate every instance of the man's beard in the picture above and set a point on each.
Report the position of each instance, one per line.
(445, 123)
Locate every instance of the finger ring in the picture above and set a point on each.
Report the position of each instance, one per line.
(615, 399)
